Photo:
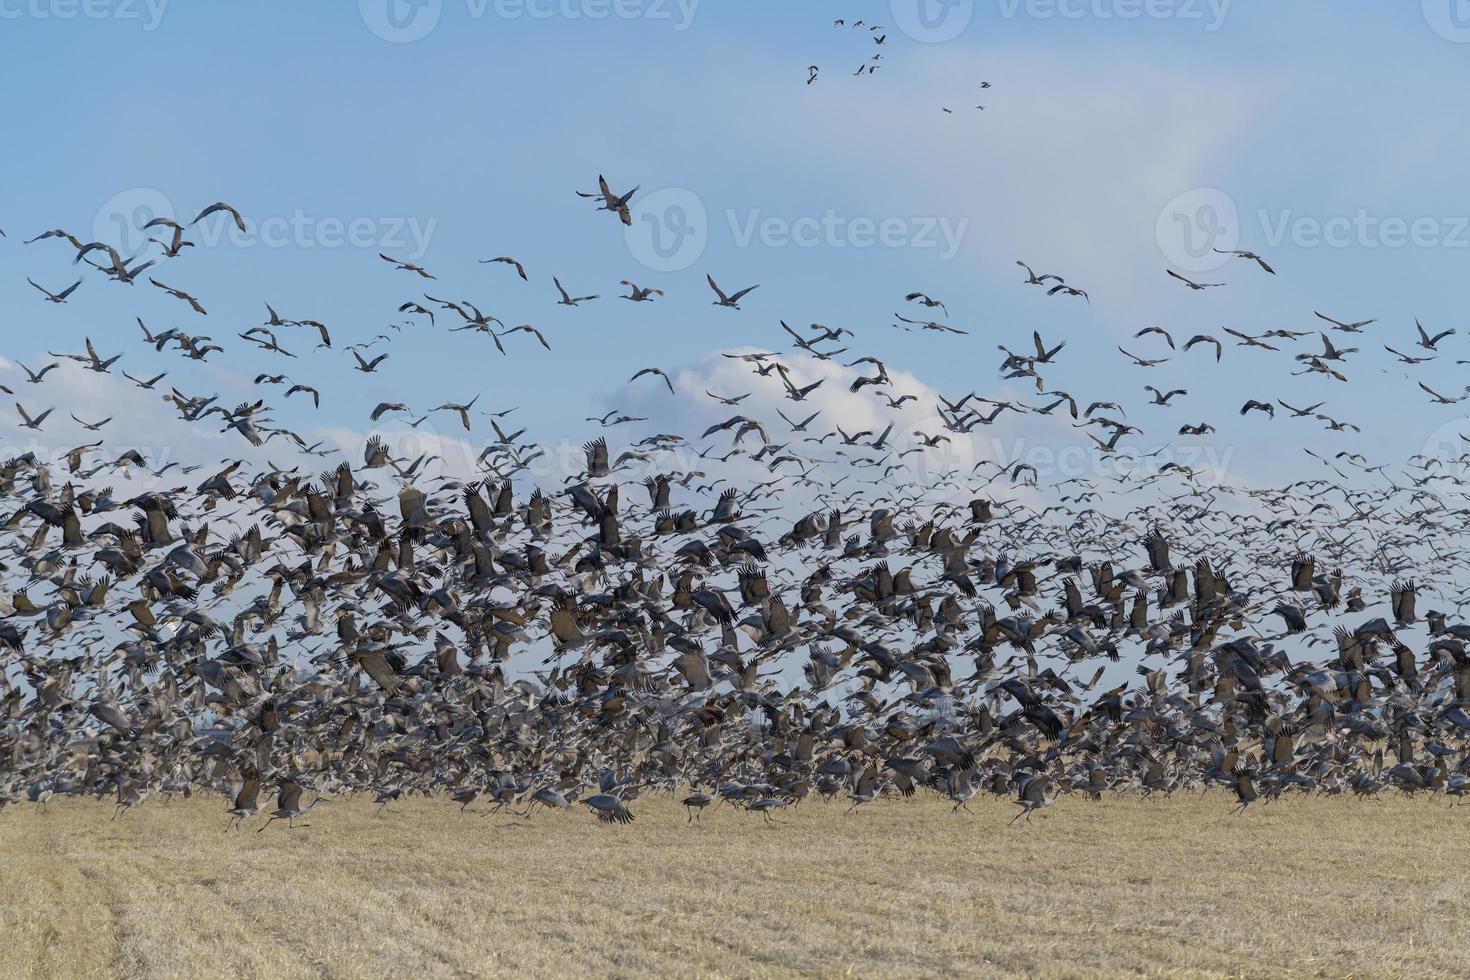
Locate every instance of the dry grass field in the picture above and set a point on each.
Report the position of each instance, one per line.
(1301, 887)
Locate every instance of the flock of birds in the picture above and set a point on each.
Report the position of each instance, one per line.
(878, 34)
(741, 615)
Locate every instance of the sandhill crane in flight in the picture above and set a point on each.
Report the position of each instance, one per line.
(1249, 256)
(1345, 327)
(1032, 279)
(1158, 330)
(179, 294)
(57, 233)
(1069, 290)
(1425, 341)
(316, 396)
(176, 243)
(1191, 283)
(145, 384)
(1245, 789)
(733, 300)
(288, 806)
(31, 423)
(216, 207)
(507, 260)
(1203, 338)
(1162, 398)
(61, 296)
(35, 377)
(926, 300)
(246, 802)
(612, 202)
(368, 367)
(655, 371)
(405, 266)
(1246, 340)
(930, 325)
(1438, 398)
(1035, 792)
(119, 269)
(1142, 361)
(638, 294)
(463, 410)
(566, 298)
(90, 426)
(1407, 358)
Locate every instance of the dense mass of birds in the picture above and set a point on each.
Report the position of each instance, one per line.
(741, 614)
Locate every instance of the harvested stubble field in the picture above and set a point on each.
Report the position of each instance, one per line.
(1303, 886)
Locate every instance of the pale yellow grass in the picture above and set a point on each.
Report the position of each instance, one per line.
(1305, 886)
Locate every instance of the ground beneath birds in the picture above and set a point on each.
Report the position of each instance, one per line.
(903, 887)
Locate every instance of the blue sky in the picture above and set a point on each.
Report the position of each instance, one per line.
(1307, 117)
